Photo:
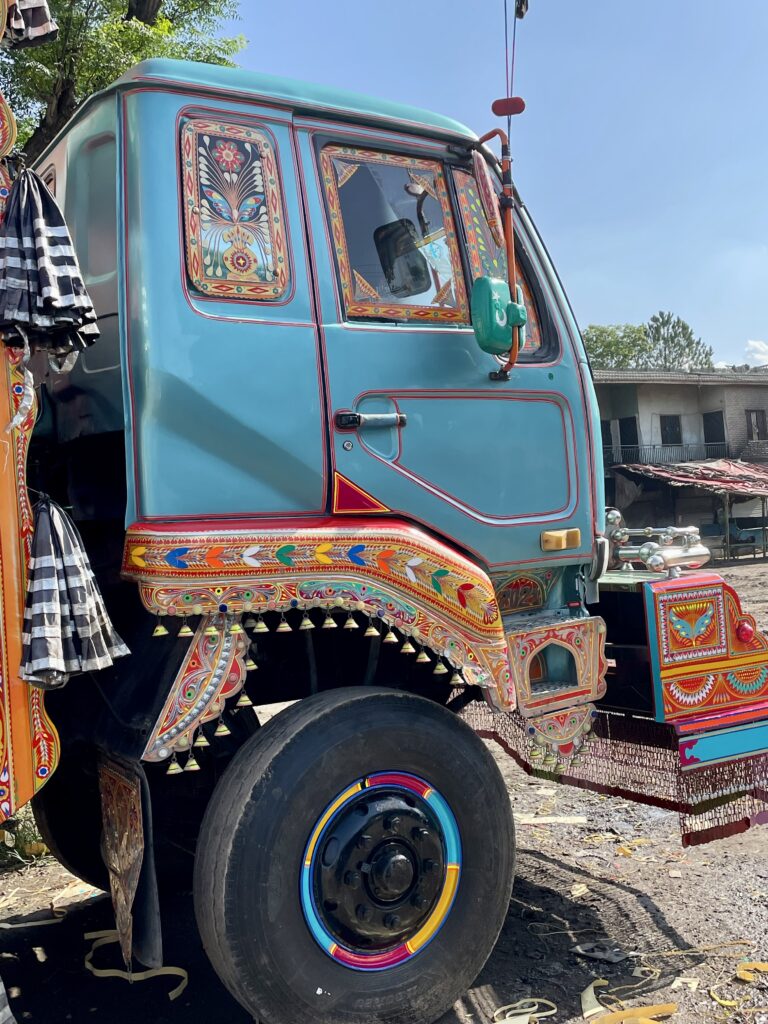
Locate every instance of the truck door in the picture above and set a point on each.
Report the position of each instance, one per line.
(417, 427)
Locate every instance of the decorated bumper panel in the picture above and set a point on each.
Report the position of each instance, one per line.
(709, 660)
(393, 573)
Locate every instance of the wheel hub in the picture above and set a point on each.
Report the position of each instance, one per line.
(392, 871)
(380, 870)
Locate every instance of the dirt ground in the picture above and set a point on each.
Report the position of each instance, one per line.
(615, 872)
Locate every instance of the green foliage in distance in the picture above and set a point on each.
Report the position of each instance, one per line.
(98, 41)
(664, 343)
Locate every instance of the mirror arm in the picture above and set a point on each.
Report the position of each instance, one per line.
(507, 202)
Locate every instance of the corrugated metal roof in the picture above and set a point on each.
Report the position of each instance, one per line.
(718, 378)
(720, 476)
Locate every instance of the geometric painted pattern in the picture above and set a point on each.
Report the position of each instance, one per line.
(584, 641)
(29, 745)
(486, 258)
(393, 573)
(711, 661)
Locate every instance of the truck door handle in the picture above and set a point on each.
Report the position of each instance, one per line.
(370, 420)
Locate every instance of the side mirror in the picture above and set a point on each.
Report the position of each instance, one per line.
(494, 315)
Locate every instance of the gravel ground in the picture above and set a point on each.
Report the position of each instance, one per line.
(619, 875)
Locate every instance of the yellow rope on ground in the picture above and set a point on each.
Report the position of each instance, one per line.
(106, 938)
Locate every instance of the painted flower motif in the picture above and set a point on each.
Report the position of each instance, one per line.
(240, 261)
(227, 155)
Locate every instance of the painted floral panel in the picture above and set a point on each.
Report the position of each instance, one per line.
(236, 244)
(486, 258)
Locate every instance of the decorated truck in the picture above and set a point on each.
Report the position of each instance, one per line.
(336, 448)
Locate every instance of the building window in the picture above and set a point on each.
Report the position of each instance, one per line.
(394, 236)
(714, 427)
(628, 430)
(488, 258)
(605, 433)
(671, 431)
(756, 427)
(234, 223)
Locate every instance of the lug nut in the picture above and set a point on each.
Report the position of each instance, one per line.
(392, 823)
(391, 921)
(363, 912)
(419, 901)
(420, 834)
(430, 866)
(352, 878)
(364, 841)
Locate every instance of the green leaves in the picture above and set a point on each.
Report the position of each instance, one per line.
(665, 343)
(96, 45)
(615, 346)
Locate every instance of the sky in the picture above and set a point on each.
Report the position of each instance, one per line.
(642, 154)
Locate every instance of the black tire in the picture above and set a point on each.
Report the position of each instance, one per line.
(254, 836)
(67, 812)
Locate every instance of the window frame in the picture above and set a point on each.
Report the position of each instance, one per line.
(356, 310)
(551, 348)
(671, 418)
(762, 424)
(234, 290)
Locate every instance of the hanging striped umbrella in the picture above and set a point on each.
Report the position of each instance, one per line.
(41, 288)
(28, 23)
(66, 626)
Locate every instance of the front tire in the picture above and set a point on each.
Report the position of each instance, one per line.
(355, 863)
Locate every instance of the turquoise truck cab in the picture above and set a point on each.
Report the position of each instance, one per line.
(301, 479)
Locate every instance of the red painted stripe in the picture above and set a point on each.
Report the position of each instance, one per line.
(372, 961)
(398, 779)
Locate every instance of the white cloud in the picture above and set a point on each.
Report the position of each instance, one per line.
(757, 352)
(721, 365)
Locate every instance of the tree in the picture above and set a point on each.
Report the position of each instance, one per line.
(615, 346)
(665, 343)
(98, 41)
(672, 345)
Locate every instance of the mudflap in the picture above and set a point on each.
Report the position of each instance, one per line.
(128, 851)
(643, 761)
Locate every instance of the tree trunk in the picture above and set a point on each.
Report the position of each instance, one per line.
(143, 10)
(61, 106)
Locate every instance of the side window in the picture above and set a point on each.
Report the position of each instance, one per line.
(49, 178)
(234, 222)
(393, 232)
(487, 258)
(90, 207)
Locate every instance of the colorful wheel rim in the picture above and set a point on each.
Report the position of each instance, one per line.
(381, 871)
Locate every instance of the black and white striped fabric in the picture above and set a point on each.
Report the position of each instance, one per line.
(66, 626)
(41, 288)
(29, 23)
(6, 1017)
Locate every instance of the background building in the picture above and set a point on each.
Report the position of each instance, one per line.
(660, 418)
